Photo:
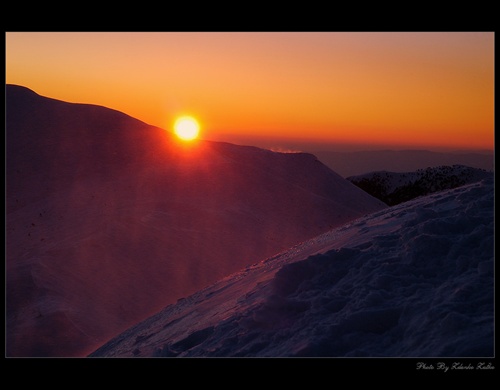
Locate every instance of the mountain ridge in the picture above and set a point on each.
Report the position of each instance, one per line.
(108, 219)
(361, 162)
(396, 187)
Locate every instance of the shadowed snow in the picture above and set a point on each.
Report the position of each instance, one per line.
(413, 280)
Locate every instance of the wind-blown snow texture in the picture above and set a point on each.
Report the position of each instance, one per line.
(413, 280)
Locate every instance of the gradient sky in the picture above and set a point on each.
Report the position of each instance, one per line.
(416, 89)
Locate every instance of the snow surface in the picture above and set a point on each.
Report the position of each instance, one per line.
(413, 280)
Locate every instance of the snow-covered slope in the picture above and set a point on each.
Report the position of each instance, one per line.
(395, 187)
(413, 280)
(109, 219)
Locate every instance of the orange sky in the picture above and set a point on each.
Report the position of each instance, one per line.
(409, 88)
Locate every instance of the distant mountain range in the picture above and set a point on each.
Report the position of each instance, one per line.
(394, 187)
(109, 219)
(360, 162)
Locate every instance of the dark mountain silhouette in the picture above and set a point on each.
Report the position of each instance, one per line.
(393, 187)
(109, 219)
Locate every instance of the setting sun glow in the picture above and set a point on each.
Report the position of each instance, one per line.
(186, 128)
(390, 89)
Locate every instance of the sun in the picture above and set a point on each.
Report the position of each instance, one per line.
(186, 128)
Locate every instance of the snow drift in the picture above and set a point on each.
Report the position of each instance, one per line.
(109, 219)
(413, 280)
